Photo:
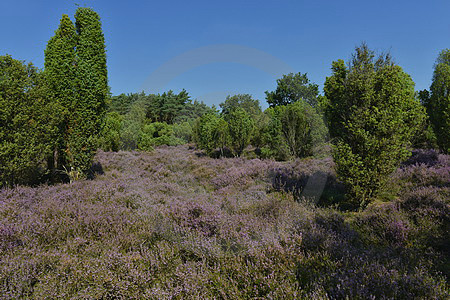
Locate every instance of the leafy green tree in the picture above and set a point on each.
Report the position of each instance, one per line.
(372, 115)
(240, 128)
(438, 105)
(122, 103)
(132, 125)
(270, 137)
(60, 68)
(291, 88)
(425, 138)
(183, 131)
(302, 128)
(244, 101)
(76, 75)
(26, 123)
(211, 132)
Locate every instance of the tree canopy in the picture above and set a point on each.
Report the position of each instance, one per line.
(291, 88)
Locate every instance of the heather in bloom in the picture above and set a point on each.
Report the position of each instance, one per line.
(174, 224)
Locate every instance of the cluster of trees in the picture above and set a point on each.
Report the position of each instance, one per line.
(293, 130)
(50, 120)
(140, 121)
(370, 107)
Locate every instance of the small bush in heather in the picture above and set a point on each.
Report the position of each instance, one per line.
(271, 140)
(383, 225)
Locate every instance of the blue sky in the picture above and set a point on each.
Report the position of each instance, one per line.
(254, 42)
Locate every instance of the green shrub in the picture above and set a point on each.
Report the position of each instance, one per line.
(240, 128)
(157, 134)
(109, 139)
(211, 132)
(272, 143)
(438, 106)
(372, 116)
(302, 128)
(183, 131)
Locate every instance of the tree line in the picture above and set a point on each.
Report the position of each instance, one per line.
(368, 118)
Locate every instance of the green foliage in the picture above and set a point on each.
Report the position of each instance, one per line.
(372, 116)
(157, 134)
(191, 111)
(270, 138)
(122, 103)
(140, 109)
(133, 122)
(438, 105)
(303, 129)
(291, 88)
(91, 84)
(27, 123)
(109, 138)
(183, 131)
(60, 73)
(211, 132)
(76, 74)
(240, 128)
(167, 106)
(295, 130)
(244, 101)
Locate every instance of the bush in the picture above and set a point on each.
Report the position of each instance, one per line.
(302, 128)
(211, 132)
(157, 134)
(240, 128)
(109, 139)
(271, 142)
(183, 131)
(372, 116)
(438, 105)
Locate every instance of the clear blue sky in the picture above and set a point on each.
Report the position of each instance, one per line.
(253, 41)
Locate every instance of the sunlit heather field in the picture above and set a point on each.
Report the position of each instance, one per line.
(175, 224)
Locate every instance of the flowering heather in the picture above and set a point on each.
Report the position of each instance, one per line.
(174, 224)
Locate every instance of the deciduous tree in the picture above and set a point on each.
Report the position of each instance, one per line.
(438, 106)
(291, 88)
